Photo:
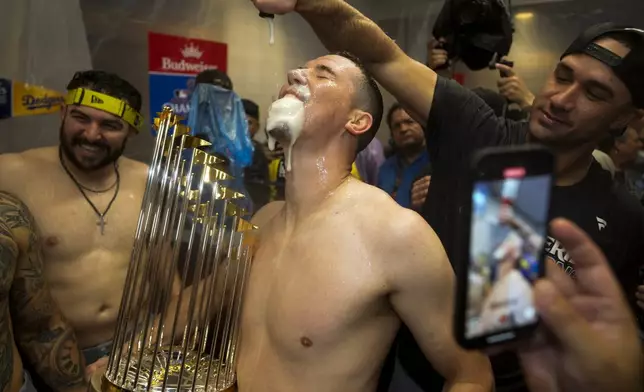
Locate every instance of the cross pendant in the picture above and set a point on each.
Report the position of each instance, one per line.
(102, 221)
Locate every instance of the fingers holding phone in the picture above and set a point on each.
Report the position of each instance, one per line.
(588, 329)
(505, 246)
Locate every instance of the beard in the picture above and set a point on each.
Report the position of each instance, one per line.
(111, 155)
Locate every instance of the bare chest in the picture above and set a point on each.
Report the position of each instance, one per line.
(311, 288)
(71, 225)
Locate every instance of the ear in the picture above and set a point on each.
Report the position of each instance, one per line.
(625, 119)
(638, 121)
(359, 122)
(63, 110)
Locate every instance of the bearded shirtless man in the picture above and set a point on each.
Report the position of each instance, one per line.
(339, 264)
(68, 186)
(29, 319)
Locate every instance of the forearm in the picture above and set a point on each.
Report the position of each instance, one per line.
(54, 353)
(179, 308)
(341, 27)
(466, 387)
(527, 102)
(484, 384)
(205, 297)
(474, 374)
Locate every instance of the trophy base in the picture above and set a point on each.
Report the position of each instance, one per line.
(169, 369)
(100, 383)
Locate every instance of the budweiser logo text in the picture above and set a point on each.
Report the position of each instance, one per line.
(184, 66)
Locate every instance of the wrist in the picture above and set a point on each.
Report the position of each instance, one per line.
(305, 5)
(527, 102)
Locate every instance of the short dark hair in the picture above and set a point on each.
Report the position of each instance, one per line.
(251, 108)
(390, 114)
(368, 98)
(107, 83)
(215, 77)
(626, 38)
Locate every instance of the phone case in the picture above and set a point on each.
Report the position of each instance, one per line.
(489, 164)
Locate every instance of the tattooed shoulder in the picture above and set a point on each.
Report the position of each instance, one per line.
(8, 261)
(14, 212)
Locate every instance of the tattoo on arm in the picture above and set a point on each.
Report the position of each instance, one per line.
(40, 329)
(8, 257)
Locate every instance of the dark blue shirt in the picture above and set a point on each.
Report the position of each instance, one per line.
(397, 178)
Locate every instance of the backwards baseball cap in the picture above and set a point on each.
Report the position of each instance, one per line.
(629, 68)
(215, 77)
(251, 108)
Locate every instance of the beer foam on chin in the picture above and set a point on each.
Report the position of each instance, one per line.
(285, 121)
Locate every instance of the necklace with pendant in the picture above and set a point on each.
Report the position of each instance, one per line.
(102, 220)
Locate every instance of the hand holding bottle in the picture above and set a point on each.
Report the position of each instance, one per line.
(277, 7)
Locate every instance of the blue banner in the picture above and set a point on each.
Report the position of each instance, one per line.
(172, 90)
(5, 98)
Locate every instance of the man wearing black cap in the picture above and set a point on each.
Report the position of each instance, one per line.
(215, 77)
(597, 86)
(256, 175)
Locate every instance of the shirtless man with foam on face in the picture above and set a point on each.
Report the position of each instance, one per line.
(29, 319)
(68, 187)
(339, 264)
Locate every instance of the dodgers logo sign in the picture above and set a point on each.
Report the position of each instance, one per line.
(174, 62)
(23, 99)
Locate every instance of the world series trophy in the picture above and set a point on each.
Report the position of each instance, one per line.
(178, 323)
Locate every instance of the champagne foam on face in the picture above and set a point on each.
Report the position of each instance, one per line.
(285, 122)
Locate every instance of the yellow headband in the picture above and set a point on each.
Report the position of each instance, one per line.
(106, 103)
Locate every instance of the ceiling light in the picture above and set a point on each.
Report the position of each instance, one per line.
(523, 15)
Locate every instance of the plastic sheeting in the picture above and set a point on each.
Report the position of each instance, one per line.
(219, 114)
(42, 42)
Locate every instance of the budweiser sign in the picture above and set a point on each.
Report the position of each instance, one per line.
(184, 66)
(186, 56)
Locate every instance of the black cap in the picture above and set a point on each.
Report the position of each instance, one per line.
(251, 108)
(215, 77)
(628, 69)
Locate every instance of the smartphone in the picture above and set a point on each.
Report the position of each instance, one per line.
(504, 229)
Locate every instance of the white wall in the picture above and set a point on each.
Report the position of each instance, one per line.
(42, 42)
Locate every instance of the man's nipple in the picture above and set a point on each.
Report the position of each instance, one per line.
(51, 241)
(306, 342)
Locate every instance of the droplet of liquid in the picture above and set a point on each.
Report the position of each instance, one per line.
(287, 155)
(271, 31)
(322, 172)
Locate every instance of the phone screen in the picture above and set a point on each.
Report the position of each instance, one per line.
(508, 229)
